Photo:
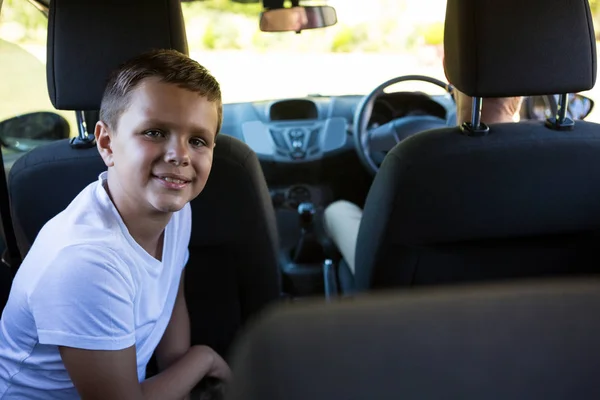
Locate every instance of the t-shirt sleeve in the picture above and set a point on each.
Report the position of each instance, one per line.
(84, 300)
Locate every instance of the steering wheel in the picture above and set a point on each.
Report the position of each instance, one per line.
(386, 136)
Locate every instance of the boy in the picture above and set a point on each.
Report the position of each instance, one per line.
(102, 286)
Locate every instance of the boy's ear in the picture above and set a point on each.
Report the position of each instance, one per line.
(104, 142)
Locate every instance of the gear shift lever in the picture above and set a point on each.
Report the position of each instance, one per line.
(306, 212)
(308, 248)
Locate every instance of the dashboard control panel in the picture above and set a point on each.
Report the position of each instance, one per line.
(296, 141)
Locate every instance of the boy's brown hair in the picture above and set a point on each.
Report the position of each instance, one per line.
(169, 66)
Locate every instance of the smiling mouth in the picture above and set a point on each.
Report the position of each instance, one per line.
(172, 180)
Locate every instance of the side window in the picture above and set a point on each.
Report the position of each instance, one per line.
(23, 88)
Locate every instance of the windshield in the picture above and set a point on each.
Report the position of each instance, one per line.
(372, 42)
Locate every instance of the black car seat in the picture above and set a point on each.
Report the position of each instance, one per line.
(520, 199)
(512, 341)
(232, 270)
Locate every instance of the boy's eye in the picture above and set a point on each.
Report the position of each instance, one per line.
(154, 134)
(197, 142)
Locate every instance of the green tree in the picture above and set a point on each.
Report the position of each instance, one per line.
(228, 6)
(33, 22)
(595, 8)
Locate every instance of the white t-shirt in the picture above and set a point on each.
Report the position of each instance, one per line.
(86, 283)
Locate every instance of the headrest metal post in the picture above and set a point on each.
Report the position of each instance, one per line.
(476, 112)
(475, 127)
(81, 125)
(561, 122)
(563, 106)
(84, 139)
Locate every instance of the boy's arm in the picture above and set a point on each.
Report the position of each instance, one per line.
(112, 374)
(176, 339)
(84, 306)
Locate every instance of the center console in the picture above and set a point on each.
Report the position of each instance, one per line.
(302, 263)
(298, 133)
(293, 131)
(303, 241)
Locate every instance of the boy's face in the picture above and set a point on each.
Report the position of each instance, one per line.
(161, 154)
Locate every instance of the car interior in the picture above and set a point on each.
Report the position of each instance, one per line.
(463, 226)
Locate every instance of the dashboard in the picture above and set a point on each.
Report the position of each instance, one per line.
(306, 147)
(312, 128)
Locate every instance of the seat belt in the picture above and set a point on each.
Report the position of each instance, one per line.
(11, 256)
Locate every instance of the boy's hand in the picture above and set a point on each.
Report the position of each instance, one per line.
(218, 367)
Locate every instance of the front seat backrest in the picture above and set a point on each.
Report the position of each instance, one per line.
(534, 341)
(523, 200)
(232, 271)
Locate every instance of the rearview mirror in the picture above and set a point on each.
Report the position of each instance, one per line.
(297, 19)
(27, 131)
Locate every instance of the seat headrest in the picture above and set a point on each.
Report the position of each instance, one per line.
(88, 39)
(519, 48)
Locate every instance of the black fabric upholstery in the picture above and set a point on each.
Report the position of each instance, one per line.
(445, 207)
(88, 39)
(232, 271)
(521, 201)
(6, 277)
(514, 47)
(43, 182)
(534, 341)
